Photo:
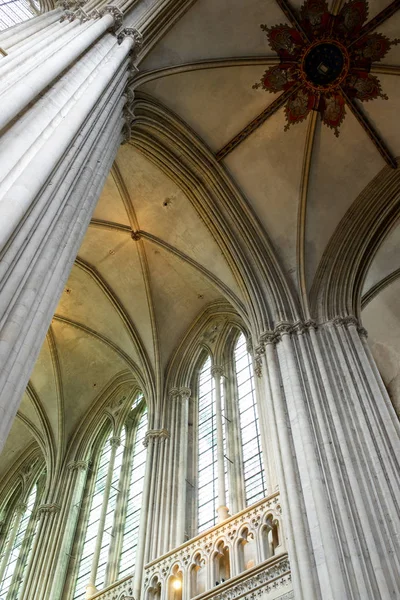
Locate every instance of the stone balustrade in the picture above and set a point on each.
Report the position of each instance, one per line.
(242, 555)
(120, 590)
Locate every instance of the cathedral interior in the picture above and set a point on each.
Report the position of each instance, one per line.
(199, 300)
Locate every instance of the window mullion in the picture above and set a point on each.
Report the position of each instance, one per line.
(238, 488)
(114, 443)
(20, 510)
(121, 508)
(24, 553)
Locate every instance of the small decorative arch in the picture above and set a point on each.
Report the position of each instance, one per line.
(175, 584)
(221, 563)
(154, 589)
(246, 551)
(271, 536)
(198, 575)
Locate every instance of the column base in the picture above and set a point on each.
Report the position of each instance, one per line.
(91, 590)
(223, 513)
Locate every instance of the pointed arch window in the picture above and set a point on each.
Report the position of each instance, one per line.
(17, 547)
(253, 470)
(111, 522)
(134, 500)
(207, 450)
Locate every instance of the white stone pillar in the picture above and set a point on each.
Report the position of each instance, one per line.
(339, 462)
(63, 132)
(91, 587)
(222, 510)
(153, 470)
(184, 395)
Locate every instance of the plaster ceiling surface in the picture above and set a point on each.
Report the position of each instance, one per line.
(179, 293)
(44, 383)
(87, 366)
(217, 103)
(214, 29)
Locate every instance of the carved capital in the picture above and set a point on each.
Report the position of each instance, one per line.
(268, 337)
(173, 392)
(217, 371)
(78, 465)
(284, 328)
(21, 508)
(45, 510)
(154, 435)
(135, 35)
(185, 393)
(258, 366)
(115, 442)
(116, 14)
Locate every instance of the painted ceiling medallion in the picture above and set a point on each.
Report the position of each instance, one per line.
(325, 61)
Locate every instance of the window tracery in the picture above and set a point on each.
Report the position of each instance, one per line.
(240, 438)
(111, 524)
(18, 536)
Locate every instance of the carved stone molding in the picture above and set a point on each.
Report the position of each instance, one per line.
(45, 510)
(116, 13)
(252, 519)
(21, 508)
(115, 442)
(217, 371)
(302, 327)
(183, 394)
(78, 465)
(135, 35)
(154, 435)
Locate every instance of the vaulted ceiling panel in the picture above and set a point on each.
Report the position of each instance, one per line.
(267, 166)
(212, 29)
(87, 366)
(179, 293)
(85, 303)
(115, 256)
(216, 103)
(165, 212)
(341, 168)
(110, 206)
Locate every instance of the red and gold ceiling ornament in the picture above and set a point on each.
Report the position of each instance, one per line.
(325, 65)
(326, 61)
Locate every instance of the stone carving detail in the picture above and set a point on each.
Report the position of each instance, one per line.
(249, 524)
(122, 590)
(45, 510)
(78, 465)
(302, 327)
(154, 435)
(217, 370)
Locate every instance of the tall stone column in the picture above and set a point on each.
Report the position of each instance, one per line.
(154, 439)
(339, 450)
(55, 536)
(183, 399)
(60, 127)
(222, 510)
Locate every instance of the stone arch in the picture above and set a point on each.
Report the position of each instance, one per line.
(157, 133)
(337, 286)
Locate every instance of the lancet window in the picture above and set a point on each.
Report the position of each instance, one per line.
(229, 434)
(17, 536)
(111, 505)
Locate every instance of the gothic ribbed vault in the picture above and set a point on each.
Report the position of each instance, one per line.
(131, 299)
